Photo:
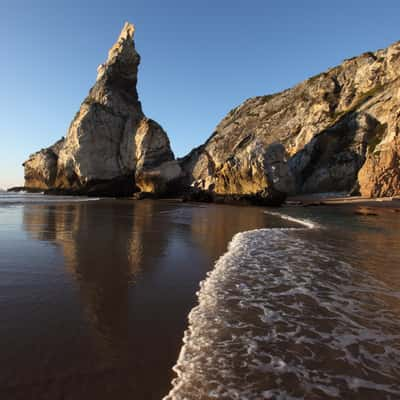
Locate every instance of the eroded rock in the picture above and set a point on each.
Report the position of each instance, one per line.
(41, 167)
(109, 140)
(335, 132)
(325, 126)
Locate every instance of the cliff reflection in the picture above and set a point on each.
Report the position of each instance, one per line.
(104, 246)
(213, 227)
(372, 244)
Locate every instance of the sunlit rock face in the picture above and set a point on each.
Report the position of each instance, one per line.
(109, 140)
(335, 132)
(338, 132)
(380, 174)
(41, 167)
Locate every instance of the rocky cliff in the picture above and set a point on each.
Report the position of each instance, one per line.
(338, 131)
(110, 143)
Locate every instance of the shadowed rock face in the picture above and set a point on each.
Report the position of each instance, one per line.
(109, 140)
(337, 131)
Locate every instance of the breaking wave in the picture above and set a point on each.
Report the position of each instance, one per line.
(280, 318)
(301, 221)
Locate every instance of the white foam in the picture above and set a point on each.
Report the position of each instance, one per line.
(22, 198)
(280, 318)
(301, 221)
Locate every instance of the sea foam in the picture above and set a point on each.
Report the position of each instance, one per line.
(23, 197)
(279, 318)
(301, 221)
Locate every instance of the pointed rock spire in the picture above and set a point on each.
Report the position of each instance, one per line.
(125, 41)
(110, 138)
(122, 54)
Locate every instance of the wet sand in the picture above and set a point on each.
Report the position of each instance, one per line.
(95, 295)
(340, 199)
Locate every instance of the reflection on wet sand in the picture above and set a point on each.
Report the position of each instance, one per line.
(213, 227)
(136, 267)
(376, 242)
(369, 243)
(127, 273)
(103, 247)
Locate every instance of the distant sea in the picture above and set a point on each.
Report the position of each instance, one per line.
(108, 298)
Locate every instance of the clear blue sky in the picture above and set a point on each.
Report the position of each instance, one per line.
(199, 59)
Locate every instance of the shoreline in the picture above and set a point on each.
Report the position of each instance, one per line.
(150, 222)
(301, 200)
(322, 199)
(216, 301)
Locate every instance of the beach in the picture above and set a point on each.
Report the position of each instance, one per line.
(98, 294)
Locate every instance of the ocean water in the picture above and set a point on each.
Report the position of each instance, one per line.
(285, 317)
(158, 299)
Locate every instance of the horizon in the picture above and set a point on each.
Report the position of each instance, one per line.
(193, 69)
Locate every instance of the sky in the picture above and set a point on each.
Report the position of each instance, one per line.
(199, 59)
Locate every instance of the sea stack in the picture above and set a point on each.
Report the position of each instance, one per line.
(110, 143)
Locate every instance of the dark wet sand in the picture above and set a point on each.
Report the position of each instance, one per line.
(94, 296)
